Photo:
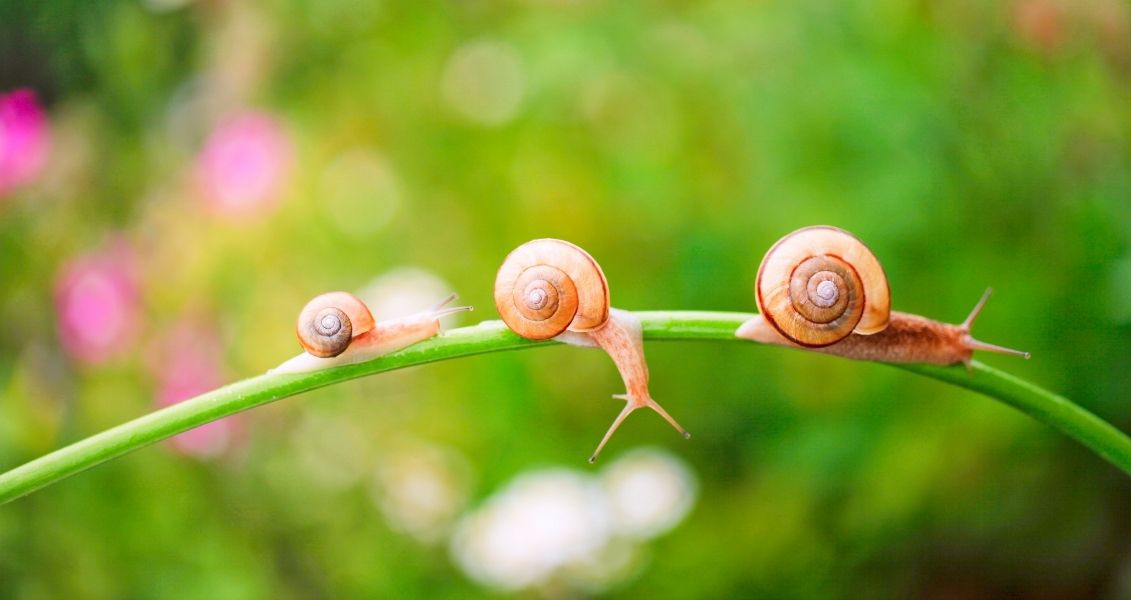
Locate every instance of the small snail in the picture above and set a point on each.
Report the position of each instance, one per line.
(822, 289)
(552, 289)
(338, 329)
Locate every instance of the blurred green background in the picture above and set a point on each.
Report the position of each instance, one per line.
(177, 178)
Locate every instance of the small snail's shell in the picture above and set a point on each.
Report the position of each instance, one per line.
(547, 286)
(328, 323)
(819, 284)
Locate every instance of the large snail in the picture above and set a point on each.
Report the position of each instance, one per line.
(822, 289)
(552, 289)
(337, 329)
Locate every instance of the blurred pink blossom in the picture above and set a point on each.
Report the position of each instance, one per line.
(244, 165)
(1040, 23)
(24, 139)
(96, 303)
(186, 363)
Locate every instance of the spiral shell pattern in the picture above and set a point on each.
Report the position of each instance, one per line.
(329, 322)
(819, 284)
(547, 286)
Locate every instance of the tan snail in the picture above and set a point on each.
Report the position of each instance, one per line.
(552, 289)
(338, 329)
(822, 289)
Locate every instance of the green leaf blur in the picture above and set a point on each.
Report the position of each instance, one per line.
(413, 144)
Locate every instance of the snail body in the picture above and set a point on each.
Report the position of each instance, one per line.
(552, 289)
(337, 328)
(822, 289)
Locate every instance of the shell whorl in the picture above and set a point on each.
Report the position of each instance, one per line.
(329, 322)
(819, 284)
(547, 286)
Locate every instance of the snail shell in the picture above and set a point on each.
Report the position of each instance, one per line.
(547, 286)
(819, 284)
(329, 322)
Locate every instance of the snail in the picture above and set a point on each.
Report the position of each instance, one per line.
(338, 329)
(552, 289)
(822, 289)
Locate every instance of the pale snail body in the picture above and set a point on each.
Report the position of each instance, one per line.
(552, 289)
(337, 329)
(791, 281)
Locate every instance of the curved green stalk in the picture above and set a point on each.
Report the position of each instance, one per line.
(493, 336)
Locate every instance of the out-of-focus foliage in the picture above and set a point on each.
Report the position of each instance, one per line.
(177, 178)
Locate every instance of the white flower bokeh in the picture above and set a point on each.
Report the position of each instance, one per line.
(402, 291)
(542, 521)
(484, 82)
(648, 493)
(421, 489)
(573, 527)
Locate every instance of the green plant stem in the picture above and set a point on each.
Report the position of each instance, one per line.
(493, 336)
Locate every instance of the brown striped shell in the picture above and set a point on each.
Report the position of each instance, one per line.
(547, 286)
(329, 322)
(819, 284)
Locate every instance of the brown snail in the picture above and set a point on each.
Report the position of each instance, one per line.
(327, 323)
(552, 289)
(337, 328)
(822, 289)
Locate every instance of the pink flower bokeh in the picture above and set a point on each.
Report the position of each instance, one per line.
(244, 165)
(186, 363)
(1040, 23)
(24, 139)
(96, 304)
